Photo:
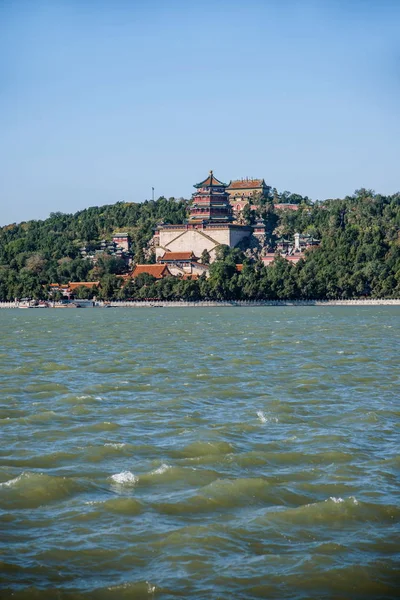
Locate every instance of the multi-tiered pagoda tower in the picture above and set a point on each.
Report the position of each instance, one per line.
(208, 227)
(210, 202)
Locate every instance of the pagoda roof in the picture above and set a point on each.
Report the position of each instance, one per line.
(210, 182)
(245, 184)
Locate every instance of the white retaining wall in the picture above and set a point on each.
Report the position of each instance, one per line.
(180, 303)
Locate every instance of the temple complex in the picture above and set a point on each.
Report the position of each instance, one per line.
(215, 216)
(208, 227)
(291, 250)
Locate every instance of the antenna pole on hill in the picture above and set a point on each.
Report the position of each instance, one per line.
(152, 194)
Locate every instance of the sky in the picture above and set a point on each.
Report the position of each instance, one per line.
(101, 100)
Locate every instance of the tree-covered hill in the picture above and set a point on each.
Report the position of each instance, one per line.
(359, 253)
(36, 253)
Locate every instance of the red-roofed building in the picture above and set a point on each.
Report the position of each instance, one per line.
(294, 258)
(287, 206)
(246, 187)
(56, 287)
(87, 284)
(157, 271)
(269, 258)
(210, 202)
(177, 257)
(68, 289)
(243, 191)
(183, 263)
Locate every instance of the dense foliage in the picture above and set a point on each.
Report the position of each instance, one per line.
(36, 253)
(359, 253)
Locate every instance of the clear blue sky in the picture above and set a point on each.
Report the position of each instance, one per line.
(101, 100)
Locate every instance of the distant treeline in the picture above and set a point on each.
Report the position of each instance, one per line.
(359, 255)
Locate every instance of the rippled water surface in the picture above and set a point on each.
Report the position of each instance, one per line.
(199, 453)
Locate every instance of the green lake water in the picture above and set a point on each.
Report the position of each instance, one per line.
(204, 453)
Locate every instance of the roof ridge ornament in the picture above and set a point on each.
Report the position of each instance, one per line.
(210, 181)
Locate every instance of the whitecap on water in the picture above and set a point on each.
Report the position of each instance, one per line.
(124, 477)
(161, 469)
(12, 482)
(340, 500)
(264, 419)
(261, 416)
(115, 445)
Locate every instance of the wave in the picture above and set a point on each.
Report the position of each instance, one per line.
(223, 493)
(138, 590)
(122, 506)
(11, 413)
(83, 399)
(334, 510)
(42, 461)
(47, 389)
(183, 475)
(161, 470)
(31, 490)
(102, 426)
(199, 449)
(95, 454)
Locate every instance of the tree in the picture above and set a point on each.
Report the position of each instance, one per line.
(109, 285)
(36, 263)
(359, 253)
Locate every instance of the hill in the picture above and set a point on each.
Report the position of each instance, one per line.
(359, 254)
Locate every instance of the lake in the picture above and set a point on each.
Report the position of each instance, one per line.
(200, 453)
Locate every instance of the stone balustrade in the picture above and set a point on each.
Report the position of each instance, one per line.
(205, 303)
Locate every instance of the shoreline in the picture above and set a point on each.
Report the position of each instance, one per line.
(222, 303)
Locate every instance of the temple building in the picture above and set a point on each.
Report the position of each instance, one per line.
(119, 247)
(241, 189)
(209, 224)
(157, 271)
(183, 263)
(210, 202)
(291, 250)
(122, 240)
(303, 242)
(244, 192)
(286, 206)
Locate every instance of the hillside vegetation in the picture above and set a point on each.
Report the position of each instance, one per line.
(359, 253)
